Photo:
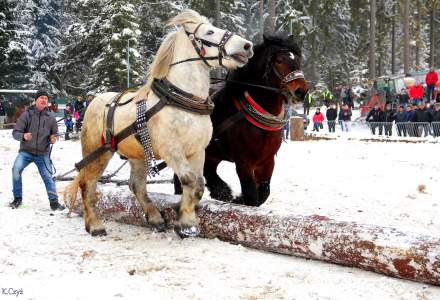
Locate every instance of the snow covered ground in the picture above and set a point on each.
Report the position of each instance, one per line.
(52, 257)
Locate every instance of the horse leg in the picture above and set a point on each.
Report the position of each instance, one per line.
(190, 172)
(137, 185)
(263, 175)
(249, 194)
(217, 187)
(88, 178)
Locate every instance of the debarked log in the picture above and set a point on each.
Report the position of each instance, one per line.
(380, 249)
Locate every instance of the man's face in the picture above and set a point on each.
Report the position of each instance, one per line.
(41, 102)
(79, 98)
(89, 98)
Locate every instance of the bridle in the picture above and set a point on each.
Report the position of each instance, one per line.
(284, 80)
(199, 43)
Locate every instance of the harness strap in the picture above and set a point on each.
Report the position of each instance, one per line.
(92, 156)
(228, 123)
(109, 123)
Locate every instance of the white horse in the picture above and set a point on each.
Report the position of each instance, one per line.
(178, 136)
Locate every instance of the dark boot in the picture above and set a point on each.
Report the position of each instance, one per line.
(16, 203)
(55, 205)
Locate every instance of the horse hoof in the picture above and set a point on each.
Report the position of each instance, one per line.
(238, 200)
(187, 231)
(98, 232)
(159, 227)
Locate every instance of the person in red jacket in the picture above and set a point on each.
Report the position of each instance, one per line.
(318, 118)
(431, 80)
(416, 93)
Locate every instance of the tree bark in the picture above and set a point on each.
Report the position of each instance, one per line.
(418, 39)
(372, 54)
(261, 20)
(431, 34)
(380, 249)
(406, 53)
(393, 45)
(270, 28)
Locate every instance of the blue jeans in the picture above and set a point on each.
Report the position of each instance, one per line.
(431, 88)
(44, 166)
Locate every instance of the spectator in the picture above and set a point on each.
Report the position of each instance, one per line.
(69, 126)
(346, 118)
(375, 118)
(423, 118)
(36, 129)
(69, 108)
(10, 112)
(327, 97)
(389, 117)
(436, 120)
(79, 109)
(308, 102)
(2, 115)
(431, 80)
(416, 93)
(401, 119)
(286, 127)
(348, 100)
(331, 115)
(403, 97)
(90, 97)
(318, 118)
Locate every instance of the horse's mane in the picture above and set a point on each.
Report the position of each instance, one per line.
(164, 56)
(254, 70)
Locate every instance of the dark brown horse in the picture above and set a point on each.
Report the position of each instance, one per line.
(249, 116)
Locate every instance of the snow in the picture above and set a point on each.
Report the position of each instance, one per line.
(348, 180)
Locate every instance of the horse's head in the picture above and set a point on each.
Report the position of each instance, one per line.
(283, 68)
(218, 47)
(214, 46)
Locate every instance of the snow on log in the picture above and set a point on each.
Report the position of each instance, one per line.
(380, 249)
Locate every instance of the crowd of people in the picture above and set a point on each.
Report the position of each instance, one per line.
(74, 114)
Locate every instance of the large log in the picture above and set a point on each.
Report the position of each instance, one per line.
(380, 249)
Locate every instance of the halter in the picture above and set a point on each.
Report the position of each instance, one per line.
(198, 44)
(292, 76)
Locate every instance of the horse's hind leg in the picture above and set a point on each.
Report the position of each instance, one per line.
(138, 187)
(89, 176)
(217, 187)
(263, 175)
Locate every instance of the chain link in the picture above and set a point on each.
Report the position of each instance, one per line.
(142, 131)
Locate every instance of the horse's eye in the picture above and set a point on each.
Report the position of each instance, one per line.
(278, 61)
(210, 32)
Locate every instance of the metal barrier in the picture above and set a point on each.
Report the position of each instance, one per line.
(402, 129)
(410, 129)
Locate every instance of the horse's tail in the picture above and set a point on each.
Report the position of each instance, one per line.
(70, 194)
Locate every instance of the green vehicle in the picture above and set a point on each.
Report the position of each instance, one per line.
(390, 86)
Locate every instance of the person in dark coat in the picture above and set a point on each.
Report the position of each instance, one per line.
(375, 118)
(36, 129)
(401, 119)
(403, 98)
(331, 115)
(346, 117)
(436, 120)
(423, 118)
(2, 115)
(389, 117)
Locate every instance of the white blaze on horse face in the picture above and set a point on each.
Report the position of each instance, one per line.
(292, 56)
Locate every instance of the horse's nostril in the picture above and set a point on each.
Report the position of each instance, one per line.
(300, 93)
(247, 46)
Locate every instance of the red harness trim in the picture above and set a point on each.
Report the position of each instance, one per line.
(257, 108)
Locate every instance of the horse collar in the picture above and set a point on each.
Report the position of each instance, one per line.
(258, 116)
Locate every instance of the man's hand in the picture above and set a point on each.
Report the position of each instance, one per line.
(53, 138)
(27, 136)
